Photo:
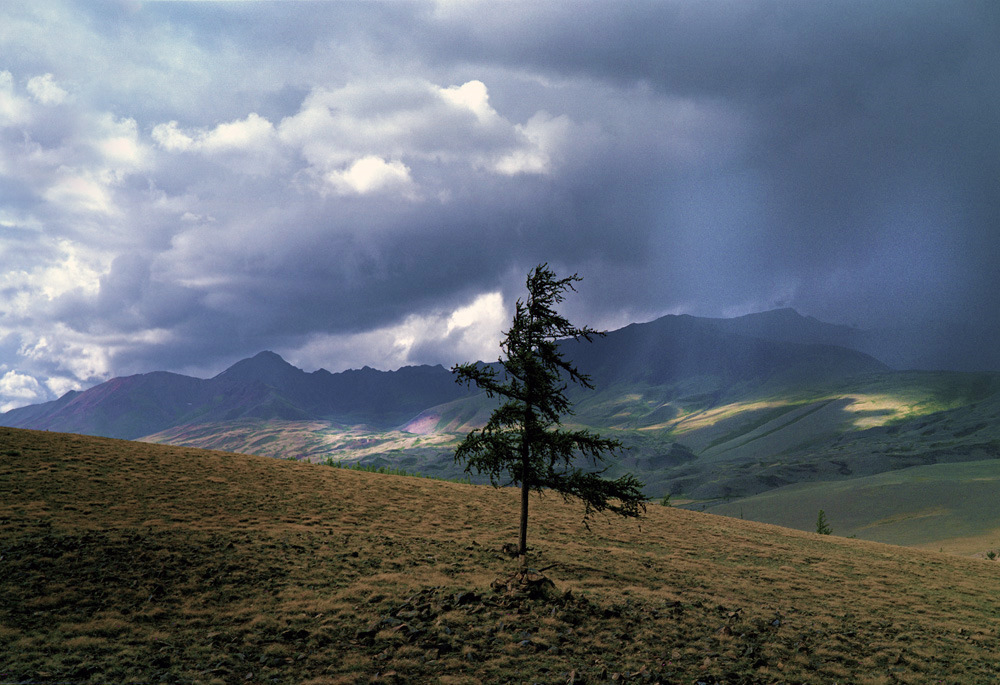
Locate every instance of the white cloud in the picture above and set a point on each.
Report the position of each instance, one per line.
(171, 138)
(252, 133)
(70, 268)
(18, 389)
(384, 119)
(468, 333)
(544, 137)
(60, 385)
(119, 144)
(46, 91)
(72, 159)
(348, 134)
(80, 191)
(83, 357)
(479, 327)
(248, 146)
(13, 109)
(372, 174)
(473, 96)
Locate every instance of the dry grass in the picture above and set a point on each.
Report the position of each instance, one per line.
(129, 562)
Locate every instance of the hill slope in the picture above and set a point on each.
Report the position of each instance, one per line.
(136, 562)
(950, 506)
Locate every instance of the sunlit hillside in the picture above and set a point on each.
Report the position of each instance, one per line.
(130, 562)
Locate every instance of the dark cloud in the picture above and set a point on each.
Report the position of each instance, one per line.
(336, 180)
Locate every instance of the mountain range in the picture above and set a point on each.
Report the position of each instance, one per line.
(262, 387)
(775, 348)
(711, 410)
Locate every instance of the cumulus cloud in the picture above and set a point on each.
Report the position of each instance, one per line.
(171, 138)
(13, 108)
(474, 97)
(253, 132)
(544, 136)
(119, 145)
(371, 174)
(19, 389)
(469, 332)
(248, 145)
(79, 191)
(363, 135)
(46, 91)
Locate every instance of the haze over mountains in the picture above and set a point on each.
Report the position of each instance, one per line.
(710, 409)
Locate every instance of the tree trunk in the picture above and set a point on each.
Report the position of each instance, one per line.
(522, 548)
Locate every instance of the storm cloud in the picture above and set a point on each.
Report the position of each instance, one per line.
(183, 184)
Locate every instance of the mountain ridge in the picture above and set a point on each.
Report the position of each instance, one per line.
(670, 349)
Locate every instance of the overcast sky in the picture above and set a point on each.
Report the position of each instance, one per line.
(184, 184)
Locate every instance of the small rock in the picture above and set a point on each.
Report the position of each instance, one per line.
(462, 598)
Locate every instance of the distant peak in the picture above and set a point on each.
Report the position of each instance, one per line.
(265, 366)
(269, 356)
(265, 359)
(782, 312)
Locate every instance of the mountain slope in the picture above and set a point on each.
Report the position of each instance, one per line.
(686, 349)
(264, 387)
(128, 562)
(787, 325)
(130, 406)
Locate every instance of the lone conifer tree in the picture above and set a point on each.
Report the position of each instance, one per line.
(523, 441)
(822, 527)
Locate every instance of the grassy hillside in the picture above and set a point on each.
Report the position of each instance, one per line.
(126, 561)
(757, 442)
(318, 441)
(954, 507)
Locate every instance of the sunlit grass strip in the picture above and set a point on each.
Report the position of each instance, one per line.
(880, 410)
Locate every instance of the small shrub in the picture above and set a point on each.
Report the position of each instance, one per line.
(991, 555)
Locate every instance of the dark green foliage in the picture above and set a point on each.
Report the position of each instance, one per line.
(822, 527)
(523, 441)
